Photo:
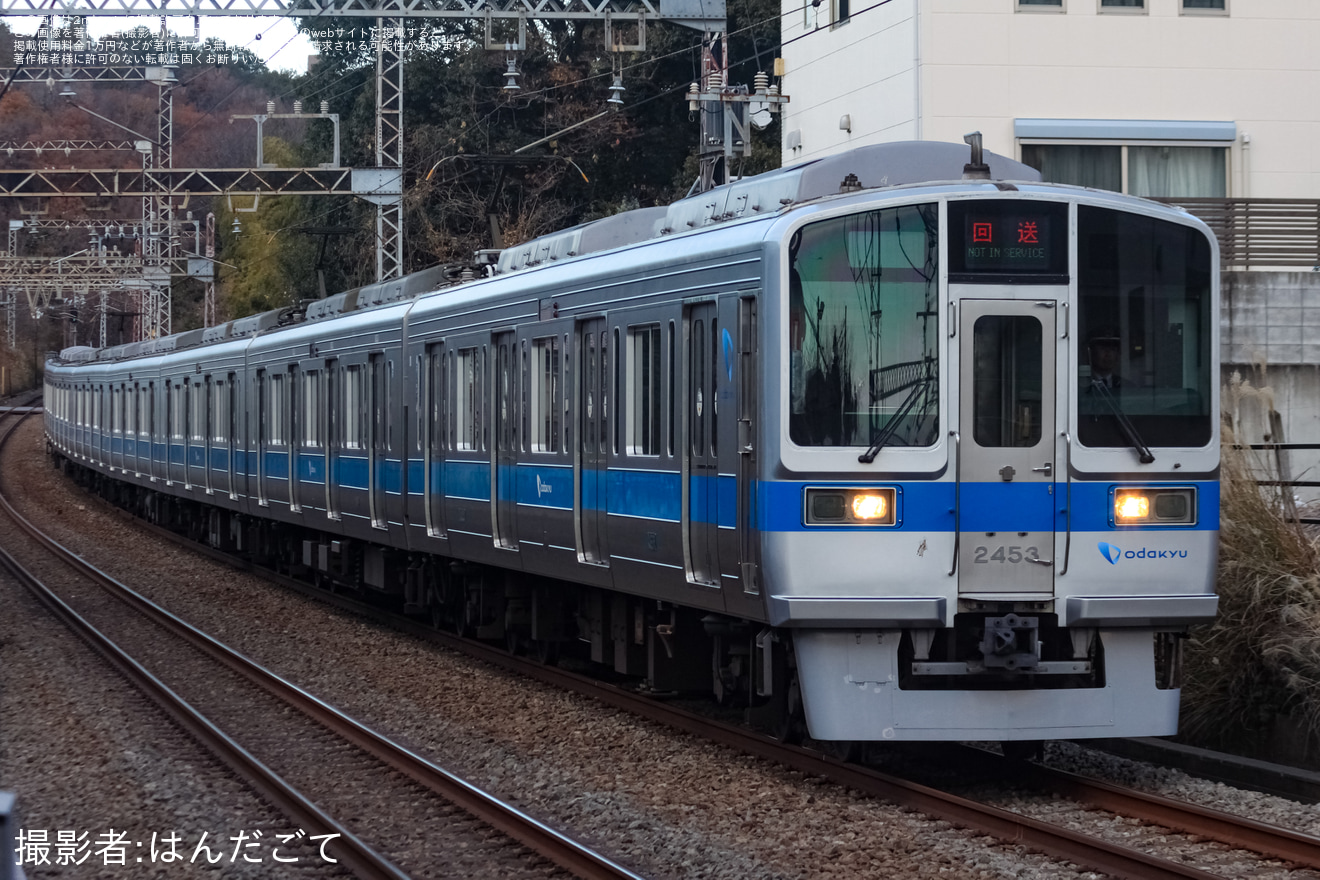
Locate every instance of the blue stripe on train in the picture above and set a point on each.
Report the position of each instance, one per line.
(989, 507)
(311, 467)
(545, 486)
(921, 506)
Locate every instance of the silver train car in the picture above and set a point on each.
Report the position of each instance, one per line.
(882, 446)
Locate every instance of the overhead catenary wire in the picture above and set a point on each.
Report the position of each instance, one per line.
(416, 164)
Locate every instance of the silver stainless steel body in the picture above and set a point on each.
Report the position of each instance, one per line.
(845, 444)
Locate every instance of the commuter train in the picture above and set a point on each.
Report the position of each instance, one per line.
(889, 445)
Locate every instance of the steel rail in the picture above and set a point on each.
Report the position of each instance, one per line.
(1012, 828)
(354, 853)
(1236, 831)
(568, 854)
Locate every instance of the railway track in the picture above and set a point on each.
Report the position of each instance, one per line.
(1235, 831)
(1083, 849)
(381, 810)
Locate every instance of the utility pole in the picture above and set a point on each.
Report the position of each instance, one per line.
(726, 113)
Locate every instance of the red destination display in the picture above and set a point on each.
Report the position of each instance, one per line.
(998, 240)
(1012, 242)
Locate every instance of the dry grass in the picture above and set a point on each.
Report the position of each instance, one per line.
(1261, 658)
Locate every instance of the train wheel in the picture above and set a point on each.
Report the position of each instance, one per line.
(724, 686)
(435, 609)
(792, 725)
(727, 682)
(465, 620)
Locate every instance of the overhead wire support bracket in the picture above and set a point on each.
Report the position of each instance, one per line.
(494, 45)
(614, 43)
(384, 188)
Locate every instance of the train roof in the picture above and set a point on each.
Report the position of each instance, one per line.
(877, 166)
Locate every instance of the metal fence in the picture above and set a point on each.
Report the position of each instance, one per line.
(1283, 465)
(1261, 233)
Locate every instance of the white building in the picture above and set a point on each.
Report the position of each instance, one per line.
(1152, 97)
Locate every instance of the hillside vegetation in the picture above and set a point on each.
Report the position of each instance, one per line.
(465, 188)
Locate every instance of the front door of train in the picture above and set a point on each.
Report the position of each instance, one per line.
(1007, 429)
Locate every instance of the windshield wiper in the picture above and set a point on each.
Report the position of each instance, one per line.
(1129, 432)
(891, 424)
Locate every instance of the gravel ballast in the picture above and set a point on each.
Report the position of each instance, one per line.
(663, 803)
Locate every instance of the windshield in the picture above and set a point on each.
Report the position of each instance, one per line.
(863, 329)
(1144, 324)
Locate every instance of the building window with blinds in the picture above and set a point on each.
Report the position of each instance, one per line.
(1147, 170)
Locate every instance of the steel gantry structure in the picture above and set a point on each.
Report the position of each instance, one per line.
(159, 252)
(382, 185)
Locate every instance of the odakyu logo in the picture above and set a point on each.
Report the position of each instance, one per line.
(1113, 553)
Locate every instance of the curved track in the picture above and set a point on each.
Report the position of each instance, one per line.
(281, 752)
(1013, 827)
(1091, 852)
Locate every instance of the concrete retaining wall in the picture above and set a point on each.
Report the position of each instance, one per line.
(1270, 353)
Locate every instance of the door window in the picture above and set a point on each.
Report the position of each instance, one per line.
(1006, 383)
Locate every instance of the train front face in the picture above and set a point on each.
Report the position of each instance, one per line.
(994, 512)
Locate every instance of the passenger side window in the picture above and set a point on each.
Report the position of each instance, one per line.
(644, 390)
(198, 415)
(176, 413)
(219, 416)
(468, 400)
(312, 410)
(275, 412)
(354, 401)
(545, 396)
(437, 392)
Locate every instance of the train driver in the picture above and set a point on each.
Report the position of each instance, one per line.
(1104, 348)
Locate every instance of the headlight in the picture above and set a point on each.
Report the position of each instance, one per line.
(1154, 506)
(870, 506)
(850, 507)
(1129, 507)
